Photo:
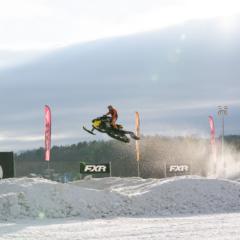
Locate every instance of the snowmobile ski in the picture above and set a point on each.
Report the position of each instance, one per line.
(91, 132)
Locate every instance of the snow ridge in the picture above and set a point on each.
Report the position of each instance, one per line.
(112, 197)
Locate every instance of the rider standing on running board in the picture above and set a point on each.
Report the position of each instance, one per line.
(114, 115)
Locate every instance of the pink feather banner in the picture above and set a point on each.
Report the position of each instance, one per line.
(48, 123)
(212, 130)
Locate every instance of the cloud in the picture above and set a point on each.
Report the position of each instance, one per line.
(52, 24)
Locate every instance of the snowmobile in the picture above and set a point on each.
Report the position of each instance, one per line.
(103, 125)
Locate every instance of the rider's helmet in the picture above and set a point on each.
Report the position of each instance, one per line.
(110, 106)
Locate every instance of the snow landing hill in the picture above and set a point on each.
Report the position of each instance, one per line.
(111, 197)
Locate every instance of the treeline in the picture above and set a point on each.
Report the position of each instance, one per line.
(156, 152)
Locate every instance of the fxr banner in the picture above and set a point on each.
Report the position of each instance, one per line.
(94, 168)
(47, 133)
(177, 169)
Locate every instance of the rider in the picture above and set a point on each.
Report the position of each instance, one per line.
(114, 115)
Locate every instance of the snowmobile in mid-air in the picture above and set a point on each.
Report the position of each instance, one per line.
(103, 125)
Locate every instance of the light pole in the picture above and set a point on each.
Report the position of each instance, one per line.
(222, 111)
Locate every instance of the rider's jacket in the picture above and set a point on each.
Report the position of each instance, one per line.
(113, 113)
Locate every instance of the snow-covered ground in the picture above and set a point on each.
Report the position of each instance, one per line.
(120, 208)
(215, 227)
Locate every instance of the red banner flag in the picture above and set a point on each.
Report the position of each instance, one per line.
(212, 130)
(47, 133)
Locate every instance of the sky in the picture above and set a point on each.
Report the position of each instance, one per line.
(32, 29)
(28, 25)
